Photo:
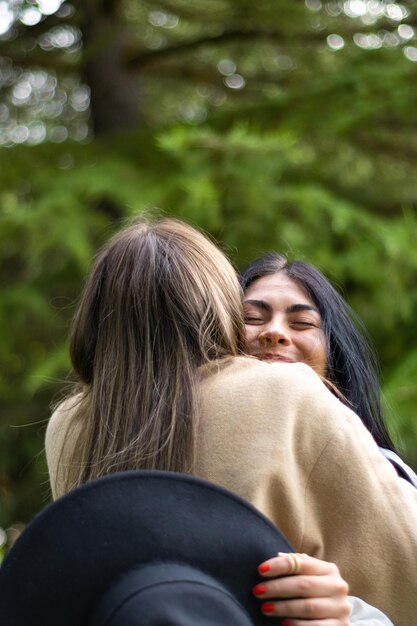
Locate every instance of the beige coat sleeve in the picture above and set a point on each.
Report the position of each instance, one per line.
(277, 436)
(359, 513)
(60, 440)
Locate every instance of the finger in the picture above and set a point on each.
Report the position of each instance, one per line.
(302, 587)
(282, 565)
(309, 609)
(290, 563)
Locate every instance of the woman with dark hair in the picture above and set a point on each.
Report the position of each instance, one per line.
(158, 348)
(288, 303)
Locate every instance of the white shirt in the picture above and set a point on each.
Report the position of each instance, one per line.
(402, 468)
(364, 614)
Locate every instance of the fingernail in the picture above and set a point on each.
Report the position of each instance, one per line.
(265, 567)
(268, 607)
(258, 590)
(286, 622)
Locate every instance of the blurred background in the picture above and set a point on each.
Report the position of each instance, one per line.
(286, 125)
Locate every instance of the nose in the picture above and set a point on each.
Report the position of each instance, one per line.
(274, 335)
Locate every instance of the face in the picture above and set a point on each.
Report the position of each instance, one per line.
(283, 324)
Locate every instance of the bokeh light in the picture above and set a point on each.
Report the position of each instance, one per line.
(226, 67)
(396, 12)
(235, 81)
(49, 7)
(405, 31)
(60, 37)
(37, 107)
(367, 41)
(313, 5)
(335, 42)
(6, 17)
(355, 8)
(30, 16)
(410, 53)
(162, 19)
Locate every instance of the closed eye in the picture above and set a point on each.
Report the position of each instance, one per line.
(303, 324)
(253, 320)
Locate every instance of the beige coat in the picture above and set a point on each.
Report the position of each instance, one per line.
(275, 435)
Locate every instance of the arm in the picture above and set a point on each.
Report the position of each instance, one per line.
(359, 514)
(292, 449)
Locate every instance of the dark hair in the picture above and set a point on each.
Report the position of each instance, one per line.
(352, 365)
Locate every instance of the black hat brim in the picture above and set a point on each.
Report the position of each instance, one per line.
(74, 550)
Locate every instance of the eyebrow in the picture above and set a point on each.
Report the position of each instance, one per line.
(293, 308)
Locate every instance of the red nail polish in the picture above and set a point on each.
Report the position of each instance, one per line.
(258, 590)
(268, 607)
(265, 567)
(286, 622)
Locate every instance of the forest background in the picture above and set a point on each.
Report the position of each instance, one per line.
(285, 125)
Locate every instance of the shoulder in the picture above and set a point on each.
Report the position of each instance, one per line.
(243, 370)
(60, 440)
(57, 430)
(258, 381)
(279, 392)
(63, 414)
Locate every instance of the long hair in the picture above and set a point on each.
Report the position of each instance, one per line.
(352, 365)
(161, 300)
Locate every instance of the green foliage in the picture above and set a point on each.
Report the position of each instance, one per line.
(401, 400)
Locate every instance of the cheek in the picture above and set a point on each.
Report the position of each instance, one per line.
(315, 353)
(320, 356)
(251, 334)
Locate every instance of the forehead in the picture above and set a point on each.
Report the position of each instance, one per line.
(278, 288)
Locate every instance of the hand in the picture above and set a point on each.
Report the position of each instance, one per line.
(305, 590)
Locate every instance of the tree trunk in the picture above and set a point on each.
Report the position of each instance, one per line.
(115, 91)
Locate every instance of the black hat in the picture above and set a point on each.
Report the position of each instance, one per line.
(142, 548)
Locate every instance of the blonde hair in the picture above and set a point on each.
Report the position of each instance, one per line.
(160, 301)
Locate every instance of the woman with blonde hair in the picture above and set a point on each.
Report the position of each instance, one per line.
(157, 345)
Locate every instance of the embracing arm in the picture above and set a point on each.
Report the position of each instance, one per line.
(359, 514)
(292, 449)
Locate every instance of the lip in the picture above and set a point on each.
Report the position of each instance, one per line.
(276, 357)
